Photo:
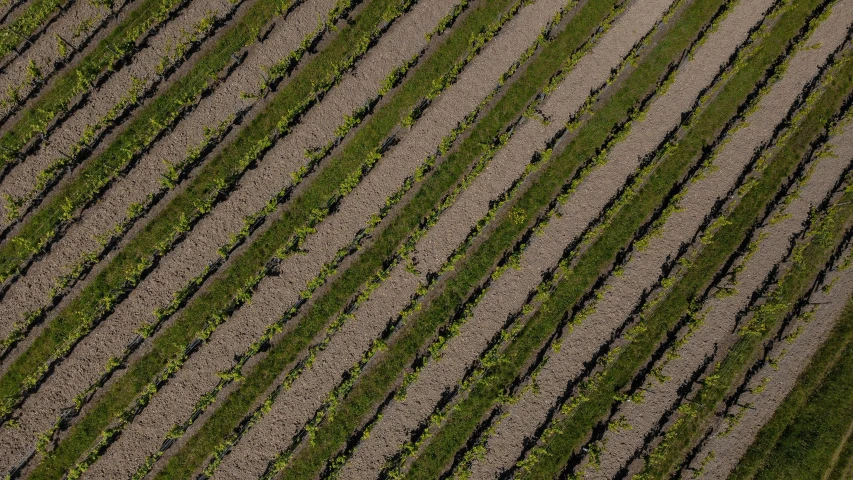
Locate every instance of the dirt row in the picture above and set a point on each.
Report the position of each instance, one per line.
(85, 364)
(296, 406)
(21, 45)
(643, 270)
(140, 75)
(581, 208)
(7, 10)
(174, 403)
(77, 25)
(729, 448)
(31, 291)
(402, 417)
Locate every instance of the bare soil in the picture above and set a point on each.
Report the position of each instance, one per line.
(581, 208)
(175, 402)
(295, 407)
(728, 449)
(30, 292)
(85, 364)
(45, 51)
(400, 418)
(21, 181)
(721, 312)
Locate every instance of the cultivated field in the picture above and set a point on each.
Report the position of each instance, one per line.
(426, 239)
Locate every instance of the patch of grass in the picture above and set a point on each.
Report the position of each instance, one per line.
(115, 274)
(374, 384)
(237, 405)
(812, 421)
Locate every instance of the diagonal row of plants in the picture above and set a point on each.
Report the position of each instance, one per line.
(593, 272)
(161, 234)
(342, 430)
(71, 87)
(673, 307)
(790, 424)
(328, 269)
(198, 312)
(446, 175)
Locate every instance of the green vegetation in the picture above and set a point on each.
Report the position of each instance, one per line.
(27, 23)
(807, 263)
(590, 265)
(808, 428)
(79, 79)
(125, 270)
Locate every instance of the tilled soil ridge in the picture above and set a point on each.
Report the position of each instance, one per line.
(85, 364)
(622, 292)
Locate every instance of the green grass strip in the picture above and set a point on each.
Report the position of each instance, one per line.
(575, 428)
(141, 246)
(374, 385)
(26, 23)
(76, 80)
(809, 427)
(468, 414)
(195, 317)
(692, 422)
(40, 228)
(809, 381)
(238, 404)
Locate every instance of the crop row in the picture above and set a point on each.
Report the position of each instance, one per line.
(446, 333)
(677, 295)
(134, 272)
(421, 333)
(576, 249)
(278, 239)
(491, 396)
(149, 329)
(677, 340)
(26, 75)
(351, 275)
(142, 85)
(70, 89)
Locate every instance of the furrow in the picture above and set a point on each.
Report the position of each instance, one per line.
(39, 412)
(663, 113)
(70, 90)
(568, 295)
(426, 204)
(404, 416)
(8, 8)
(718, 317)
(307, 392)
(178, 399)
(27, 183)
(774, 380)
(25, 75)
(101, 227)
(21, 32)
(757, 131)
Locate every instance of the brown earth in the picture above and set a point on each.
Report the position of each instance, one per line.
(45, 50)
(295, 407)
(729, 448)
(700, 196)
(175, 402)
(402, 417)
(30, 292)
(580, 344)
(85, 364)
(21, 181)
